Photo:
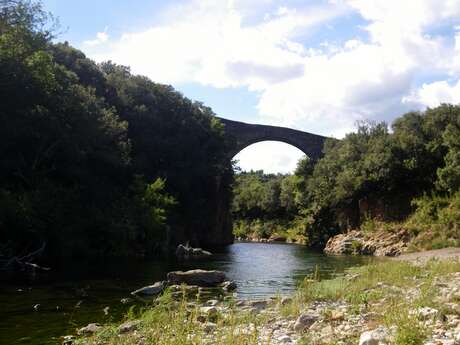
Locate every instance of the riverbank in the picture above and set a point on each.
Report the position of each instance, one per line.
(392, 302)
(423, 257)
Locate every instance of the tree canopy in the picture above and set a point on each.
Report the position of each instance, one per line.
(96, 160)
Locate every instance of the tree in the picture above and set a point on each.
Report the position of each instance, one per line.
(449, 175)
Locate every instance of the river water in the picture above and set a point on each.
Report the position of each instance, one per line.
(40, 312)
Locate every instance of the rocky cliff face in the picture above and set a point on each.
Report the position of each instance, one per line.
(214, 232)
(219, 233)
(380, 243)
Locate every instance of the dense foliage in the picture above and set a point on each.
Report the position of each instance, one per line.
(373, 173)
(95, 160)
(377, 173)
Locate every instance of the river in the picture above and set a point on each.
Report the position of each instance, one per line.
(39, 312)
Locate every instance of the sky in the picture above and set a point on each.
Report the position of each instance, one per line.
(315, 65)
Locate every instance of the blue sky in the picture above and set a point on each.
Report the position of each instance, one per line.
(313, 65)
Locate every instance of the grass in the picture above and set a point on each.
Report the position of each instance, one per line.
(175, 322)
(172, 322)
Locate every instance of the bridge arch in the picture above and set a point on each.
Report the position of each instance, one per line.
(245, 134)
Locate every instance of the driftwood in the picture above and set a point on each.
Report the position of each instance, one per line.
(22, 263)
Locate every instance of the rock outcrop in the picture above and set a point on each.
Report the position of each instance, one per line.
(380, 243)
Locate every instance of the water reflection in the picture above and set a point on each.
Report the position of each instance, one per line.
(262, 269)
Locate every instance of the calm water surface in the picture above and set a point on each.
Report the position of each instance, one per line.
(92, 292)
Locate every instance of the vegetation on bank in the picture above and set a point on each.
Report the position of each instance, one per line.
(373, 290)
(264, 206)
(433, 225)
(406, 177)
(96, 161)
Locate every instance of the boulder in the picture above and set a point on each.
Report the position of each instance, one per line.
(89, 329)
(304, 321)
(197, 277)
(457, 335)
(284, 339)
(181, 251)
(228, 286)
(378, 336)
(151, 290)
(129, 326)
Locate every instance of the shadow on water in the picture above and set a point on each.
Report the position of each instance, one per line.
(39, 313)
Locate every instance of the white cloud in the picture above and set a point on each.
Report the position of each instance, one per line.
(209, 44)
(322, 89)
(101, 37)
(431, 95)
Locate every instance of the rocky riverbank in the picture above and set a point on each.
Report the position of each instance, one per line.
(393, 302)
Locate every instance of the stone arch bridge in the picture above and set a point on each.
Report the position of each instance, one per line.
(245, 134)
(219, 231)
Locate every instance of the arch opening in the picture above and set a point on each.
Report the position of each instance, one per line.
(270, 156)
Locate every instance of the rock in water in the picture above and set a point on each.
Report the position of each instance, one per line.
(182, 251)
(228, 286)
(151, 290)
(186, 252)
(200, 252)
(197, 277)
